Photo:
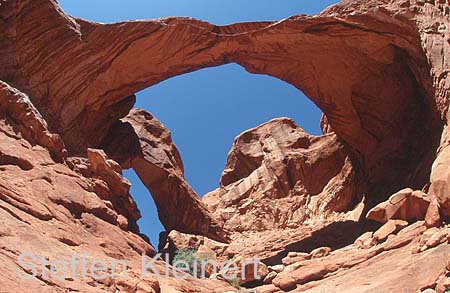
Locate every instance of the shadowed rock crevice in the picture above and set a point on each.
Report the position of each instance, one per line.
(23, 164)
(336, 236)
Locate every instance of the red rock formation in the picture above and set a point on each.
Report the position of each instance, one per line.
(141, 142)
(440, 180)
(277, 176)
(279, 186)
(343, 272)
(82, 97)
(433, 24)
(407, 205)
(51, 211)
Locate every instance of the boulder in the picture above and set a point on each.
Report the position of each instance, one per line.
(391, 227)
(404, 205)
(320, 252)
(433, 217)
(440, 181)
(364, 240)
(269, 278)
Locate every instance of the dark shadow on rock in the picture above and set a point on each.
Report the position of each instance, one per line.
(336, 235)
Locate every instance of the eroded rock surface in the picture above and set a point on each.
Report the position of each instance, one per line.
(141, 142)
(57, 210)
(407, 205)
(90, 80)
(277, 176)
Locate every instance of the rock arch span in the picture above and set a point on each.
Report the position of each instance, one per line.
(371, 82)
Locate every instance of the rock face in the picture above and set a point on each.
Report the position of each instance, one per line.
(377, 69)
(364, 107)
(440, 180)
(407, 205)
(279, 185)
(277, 176)
(141, 142)
(57, 210)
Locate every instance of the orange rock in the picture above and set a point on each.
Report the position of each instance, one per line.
(83, 101)
(363, 240)
(391, 227)
(433, 217)
(404, 205)
(277, 268)
(252, 275)
(295, 258)
(437, 238)
(440, 181)
(271, 172)
(320, 252)
(150, 151)
(269, 278)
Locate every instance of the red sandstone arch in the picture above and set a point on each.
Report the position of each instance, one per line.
(370, 82)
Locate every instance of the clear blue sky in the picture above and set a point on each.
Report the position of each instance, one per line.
(207, 109)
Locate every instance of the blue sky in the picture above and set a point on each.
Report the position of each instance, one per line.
(207, 109)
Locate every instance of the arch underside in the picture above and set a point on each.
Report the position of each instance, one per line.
(369, 81)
